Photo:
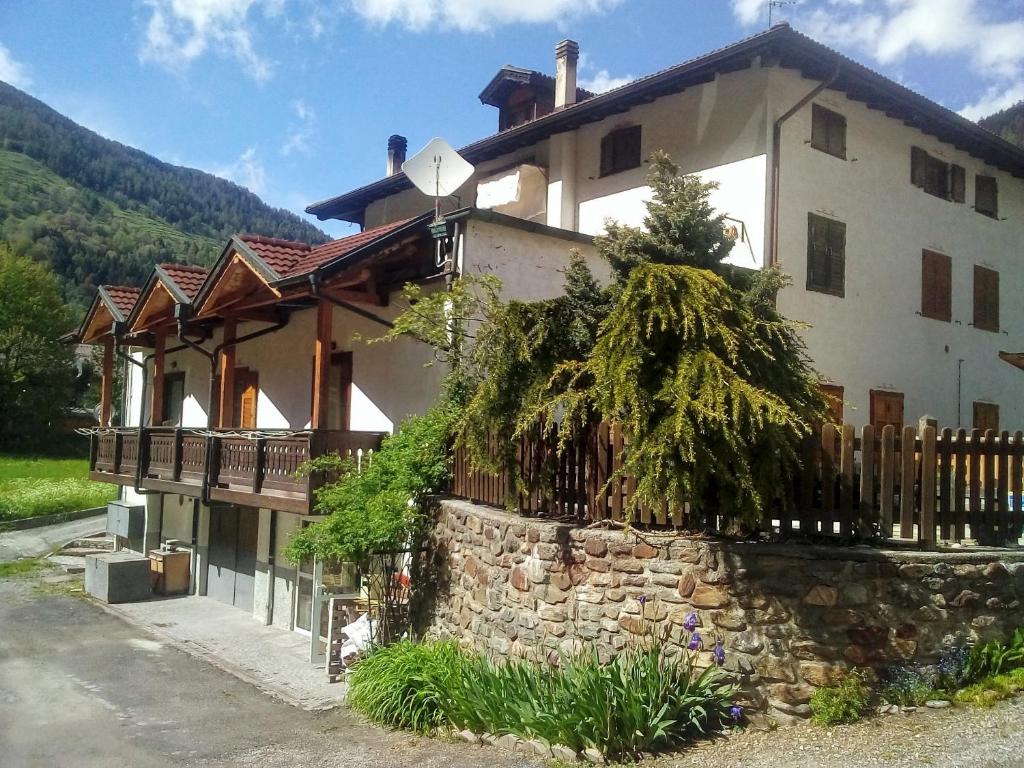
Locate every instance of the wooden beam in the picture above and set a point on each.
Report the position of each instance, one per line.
(157, 407)
(227, 375)
(321, 363)
(359, 297)
(107, 382)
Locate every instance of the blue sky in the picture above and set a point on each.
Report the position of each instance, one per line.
(295, 99)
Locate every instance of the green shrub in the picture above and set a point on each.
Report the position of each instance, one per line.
(641, 701)
(843, 703)
(910, 685)
(32, 497)
(995, 688)
(993, 658)
(405, 685)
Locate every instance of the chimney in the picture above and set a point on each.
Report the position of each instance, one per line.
(396, 153)
(567, 54)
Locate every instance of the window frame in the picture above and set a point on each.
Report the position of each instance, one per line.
(942, 309)
(832, 227)
(829, 125)
(615, 144)
(169, 377)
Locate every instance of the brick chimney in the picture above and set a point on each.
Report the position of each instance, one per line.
(567, 54)
(396, 153)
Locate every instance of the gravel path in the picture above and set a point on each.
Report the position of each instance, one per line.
(954, 738)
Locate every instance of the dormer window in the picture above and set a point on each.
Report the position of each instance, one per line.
(620, 150)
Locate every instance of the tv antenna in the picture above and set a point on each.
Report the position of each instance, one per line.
(438, 170)
(773, 4)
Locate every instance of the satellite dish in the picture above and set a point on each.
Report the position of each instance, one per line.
(437, 170)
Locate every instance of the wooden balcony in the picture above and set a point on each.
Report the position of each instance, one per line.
(221, 465)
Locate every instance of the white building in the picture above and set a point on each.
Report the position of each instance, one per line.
(899, 222)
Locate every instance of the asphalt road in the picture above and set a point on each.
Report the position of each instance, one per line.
(33, 542)
(82, 689)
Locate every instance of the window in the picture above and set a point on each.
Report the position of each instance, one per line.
(620, 150)
(834, 397)
(986, 298)
(986, 416)
(828, 131)
(936, 286)
(886, 408)
(247, 387)
(174, 399)
(826, 255)
(986, 196)
(957, 183)
(929, 173)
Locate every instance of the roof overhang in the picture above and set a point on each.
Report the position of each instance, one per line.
(1016, 359)
(100, 318)
(239, 273)
(780, 46)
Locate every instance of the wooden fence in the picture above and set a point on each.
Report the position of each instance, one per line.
(934, 485)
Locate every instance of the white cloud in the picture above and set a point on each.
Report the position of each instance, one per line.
(602, 81)
(300, 132)
(979, 33)
(13, 72)
(994, 100)
(180, 31)
(475, 15)
(247, 171)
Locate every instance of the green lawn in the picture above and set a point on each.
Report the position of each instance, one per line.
(33, 486)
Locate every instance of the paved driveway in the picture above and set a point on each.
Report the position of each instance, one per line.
(33, 542)
(79, 687)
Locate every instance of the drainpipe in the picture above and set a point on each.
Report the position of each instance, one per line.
(773, 250)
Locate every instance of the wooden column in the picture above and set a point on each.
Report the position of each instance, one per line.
(157, 406)
(227, 375)
(321, 364)
(107, 382)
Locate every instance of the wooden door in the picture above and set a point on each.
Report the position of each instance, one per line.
(247, 388)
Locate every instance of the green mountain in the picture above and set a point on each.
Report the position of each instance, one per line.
(1009, 123)
(100, 212)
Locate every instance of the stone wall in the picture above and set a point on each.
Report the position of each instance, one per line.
(791, 617)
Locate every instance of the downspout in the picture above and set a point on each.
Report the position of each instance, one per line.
(773, 251)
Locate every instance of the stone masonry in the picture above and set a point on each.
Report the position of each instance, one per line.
(791, 617)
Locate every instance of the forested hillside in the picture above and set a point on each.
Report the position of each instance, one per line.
(100, 212)
(1008, 123)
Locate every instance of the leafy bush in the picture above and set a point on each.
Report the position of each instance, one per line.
(951, 671)
(994, 658)
(843, 703)
(640, 701)
(406, 685)
(909, 685)
(32, 497)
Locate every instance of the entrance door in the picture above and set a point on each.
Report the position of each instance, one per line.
(231, 574)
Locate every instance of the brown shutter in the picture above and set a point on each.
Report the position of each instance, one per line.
(837, 135)
(936, 286)
(819, 127)
(986, 298)
(834, 395)
(250, 392)
(837, 257)
(958, 183)
(607, 154)
(986, 195)
(886, 408)
(986, 416)
(918, 165)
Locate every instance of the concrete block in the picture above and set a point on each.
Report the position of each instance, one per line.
(118, 577)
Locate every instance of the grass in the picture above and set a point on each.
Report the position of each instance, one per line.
(987, 692)
(35, 486)
(20, 568)
(841, 704)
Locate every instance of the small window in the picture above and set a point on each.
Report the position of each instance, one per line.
(826, 255)
(986, 298)
(834, 398)
(174, 399)
(936, 286)
(620, 150)
(929, 173)
(986, 416)
(986, 196)
(886, 408)
(828, 131)
(958, 184)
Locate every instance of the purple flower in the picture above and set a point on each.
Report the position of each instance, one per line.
(690, 622)
(642, 599)
(696, 643)
(736, 712)
(719, 653)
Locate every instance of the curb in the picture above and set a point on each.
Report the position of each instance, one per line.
(45, 520)
(198, 651)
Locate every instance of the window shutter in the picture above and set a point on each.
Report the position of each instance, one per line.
(886, 408)
(607, 154)
(834, 395)
(819, 128)
(837, 257)
(986, 298)
(986, 416)
(837, 136)
(918, 166)
(958, 183)
(986, 195)
(936, 285)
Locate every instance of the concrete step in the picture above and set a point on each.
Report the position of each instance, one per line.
(68, 563)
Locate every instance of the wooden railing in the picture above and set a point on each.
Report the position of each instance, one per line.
(939, 484)
(260, 470)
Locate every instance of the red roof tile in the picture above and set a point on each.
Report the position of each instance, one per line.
(321, 254)
(280, 255)
(188, 278)
(123, 296)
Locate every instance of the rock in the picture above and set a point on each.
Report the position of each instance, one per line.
(644, 551)
(595, 548)
(632, 624)
(469, 737)
(592, 755)
(707, 596)
(908, 710)
(937, 704)
(822, 594)
(687, 583)
(538, 748)
(628, 566)
(564, 753)
(966, 597)
(519, 579)
(820, 674)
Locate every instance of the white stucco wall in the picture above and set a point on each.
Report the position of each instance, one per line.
(874, 337)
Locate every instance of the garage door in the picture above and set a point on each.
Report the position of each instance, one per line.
(231, 574)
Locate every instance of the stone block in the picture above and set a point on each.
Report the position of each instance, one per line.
(644, 551)
(595, 547)
(822, 594)
(708, 596)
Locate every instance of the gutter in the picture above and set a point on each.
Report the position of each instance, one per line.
(773, 244)
(314, 291)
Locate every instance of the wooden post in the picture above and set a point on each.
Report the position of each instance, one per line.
(926, 529)
(227, 375)
(321, 364)
(107, 384)
(157, 407)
